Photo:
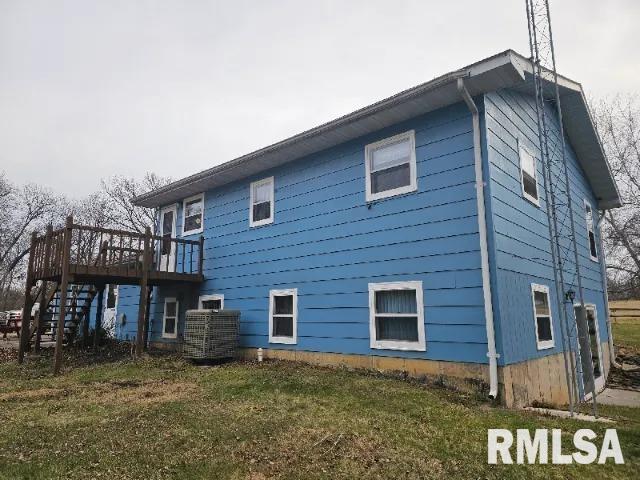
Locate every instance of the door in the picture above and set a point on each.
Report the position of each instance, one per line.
(110, 309)
(590, 354)
(167, 232)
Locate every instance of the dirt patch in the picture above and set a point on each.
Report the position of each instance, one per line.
(33, 395)
(313, 450)
(624, 378)
(140, 393)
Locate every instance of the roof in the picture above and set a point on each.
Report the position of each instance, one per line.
(504, 70)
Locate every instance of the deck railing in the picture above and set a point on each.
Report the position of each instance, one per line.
(95, 250)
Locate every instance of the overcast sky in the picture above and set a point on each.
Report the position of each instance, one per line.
(93, 88)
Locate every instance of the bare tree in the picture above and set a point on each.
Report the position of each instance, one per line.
(119, 191)
(22, 210)
(618, 123)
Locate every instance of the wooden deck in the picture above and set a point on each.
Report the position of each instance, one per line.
(94, 256)
(101, 255)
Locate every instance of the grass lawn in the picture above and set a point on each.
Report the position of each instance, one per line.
(626, 333)
(164, 418)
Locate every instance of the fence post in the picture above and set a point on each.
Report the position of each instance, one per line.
(25, 329)
(142, 303)
(64, 285)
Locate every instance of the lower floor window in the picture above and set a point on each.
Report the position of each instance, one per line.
(211, 302)
(170, 318)
(283, 313)
(542, 314)
(396, 312)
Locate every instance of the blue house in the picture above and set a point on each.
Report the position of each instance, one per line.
(410, 235)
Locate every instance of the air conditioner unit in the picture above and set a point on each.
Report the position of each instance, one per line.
(210, 334)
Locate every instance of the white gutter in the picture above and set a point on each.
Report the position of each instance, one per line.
(484, 251)
(603, 272)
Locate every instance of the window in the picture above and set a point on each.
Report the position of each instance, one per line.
(391, 166)
(396, 316)
(283, 316)
(112, 296)
(170, 318)
(192, 214)
(528, 175)
(588, 213)
(542, 314)
(261, 202)
(211, 302)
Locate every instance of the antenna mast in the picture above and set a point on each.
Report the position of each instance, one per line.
(560, 215)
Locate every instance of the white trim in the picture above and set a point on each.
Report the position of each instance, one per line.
(170, 263)
(184, 203)
(545, 344)
(215, 296)
(590, 229)
(282, 293)
(164, 317)
(532, 199)
(264, 221)
(598, 383)
(420, 345)
(370, 148)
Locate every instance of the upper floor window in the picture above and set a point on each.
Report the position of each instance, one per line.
(261, 202)
(542, 315)
(283, 316)
(193, 214)
(396, 316)
(588, 214)
(391, 166)
(528, 175)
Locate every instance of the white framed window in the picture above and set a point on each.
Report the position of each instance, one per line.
(542, 316)
(528, 175)
(193, 214)
(396, 316)
(170, 317)
(283, 316)
(211, 302)
(391, 166)
(591, 234)
(261, 202)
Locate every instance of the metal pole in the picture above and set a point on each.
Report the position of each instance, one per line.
(570, 203)
(558, 280)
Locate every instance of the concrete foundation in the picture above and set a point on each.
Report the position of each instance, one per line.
(539, 381)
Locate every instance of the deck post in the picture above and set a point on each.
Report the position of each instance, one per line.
(144, 281)
(201, 257)
(146, 317)
(99, 313)
(85, 321)
(64, 285)
(45, 284)
(25, 329)
(41, 309)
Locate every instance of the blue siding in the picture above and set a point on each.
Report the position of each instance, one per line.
(329, 244)
(519, 232)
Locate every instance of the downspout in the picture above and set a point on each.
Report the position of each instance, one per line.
(603, 272)
(484, 251)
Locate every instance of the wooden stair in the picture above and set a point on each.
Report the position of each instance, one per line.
(77, 309)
